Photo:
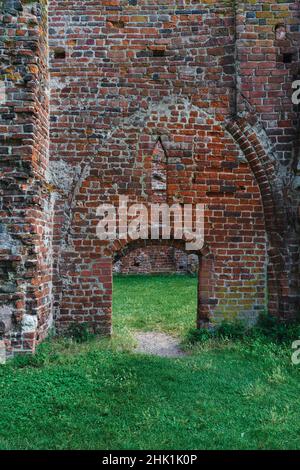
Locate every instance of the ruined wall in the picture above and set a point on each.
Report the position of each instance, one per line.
(25, 200)
(268, 42)
(155, 259)
(127, 77)
(148, 260)
(162, 101)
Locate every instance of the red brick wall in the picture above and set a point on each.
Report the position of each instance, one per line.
(148, 260)
(134, 74)
(163, 102)
(267, 65)
(155, 259)
(25, 199)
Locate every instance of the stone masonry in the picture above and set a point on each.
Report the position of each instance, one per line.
(160, 101)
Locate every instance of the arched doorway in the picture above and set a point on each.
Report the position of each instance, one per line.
(155, 287)
(198, 163)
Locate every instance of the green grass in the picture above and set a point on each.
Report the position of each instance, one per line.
(99, 395)
(155, 303)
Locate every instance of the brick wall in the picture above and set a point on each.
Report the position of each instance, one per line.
(130, 81)
(25, 199)
(161, 101)
(268, 40)
(155, 259)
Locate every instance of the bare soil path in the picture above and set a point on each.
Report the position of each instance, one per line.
(158, 344)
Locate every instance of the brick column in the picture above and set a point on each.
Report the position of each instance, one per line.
(25, 196)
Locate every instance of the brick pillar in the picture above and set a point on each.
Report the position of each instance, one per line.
(25, 196)
(268, 40)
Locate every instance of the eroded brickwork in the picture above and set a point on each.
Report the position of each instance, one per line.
(268, 41)
(126, 76)
(161, 101)
(210, 85)
(25, 199)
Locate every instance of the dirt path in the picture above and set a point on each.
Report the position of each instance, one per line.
(158, 344)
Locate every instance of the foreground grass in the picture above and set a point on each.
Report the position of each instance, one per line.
(155, 303)
(92, 396)
(100, 395)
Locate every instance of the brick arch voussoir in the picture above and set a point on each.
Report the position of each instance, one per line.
(263, 169)
(147, 137)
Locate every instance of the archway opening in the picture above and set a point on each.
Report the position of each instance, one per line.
(155, 288)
